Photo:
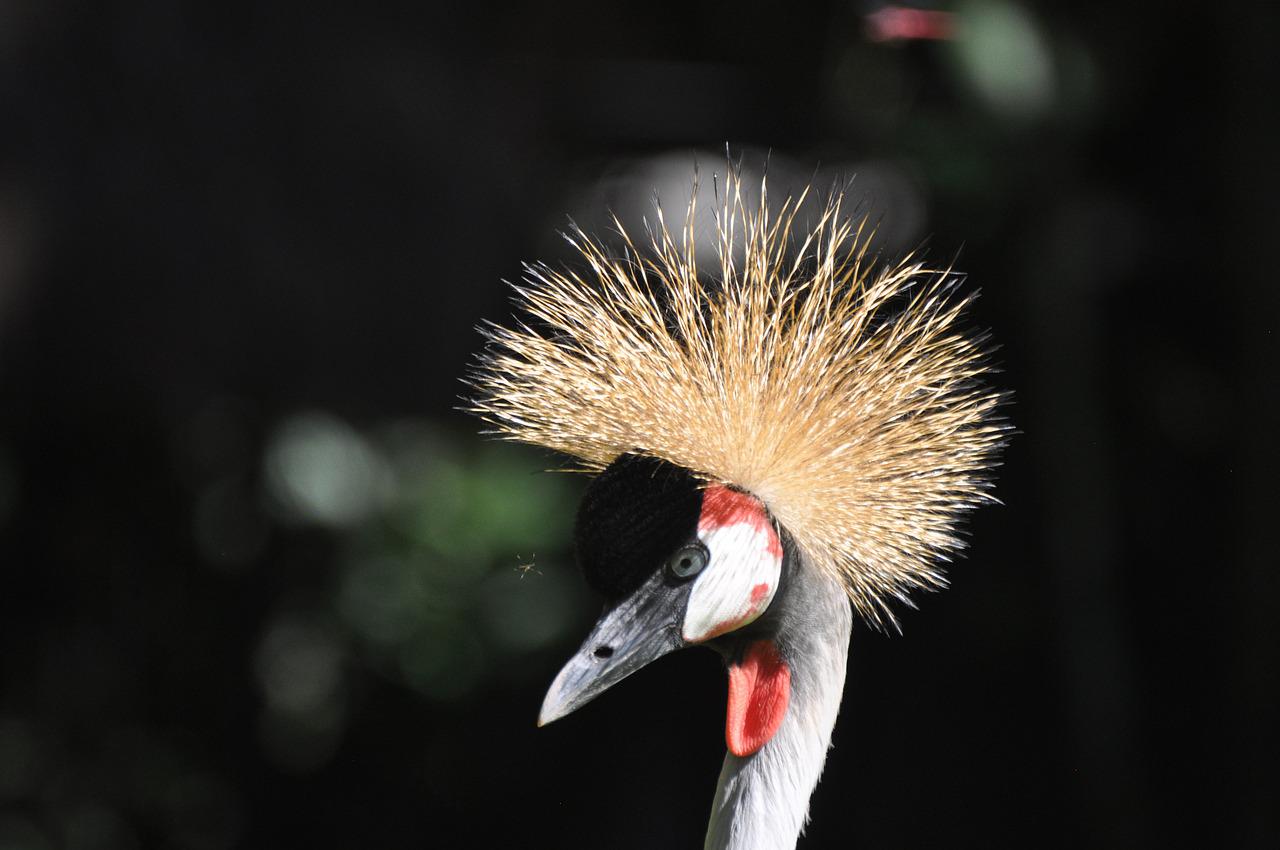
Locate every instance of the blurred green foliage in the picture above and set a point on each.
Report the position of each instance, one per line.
(451, 569)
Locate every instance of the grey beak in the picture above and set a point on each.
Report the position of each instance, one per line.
(643, 627)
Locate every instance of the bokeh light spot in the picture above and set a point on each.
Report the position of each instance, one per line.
(1005, 59)
(321, 470)
(299, 667)
(300, 670)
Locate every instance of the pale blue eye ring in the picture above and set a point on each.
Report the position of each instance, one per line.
(688, 561)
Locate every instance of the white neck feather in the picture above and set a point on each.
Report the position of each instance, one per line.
(762, 801)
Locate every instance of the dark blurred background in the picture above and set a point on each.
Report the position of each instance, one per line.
(263, 586)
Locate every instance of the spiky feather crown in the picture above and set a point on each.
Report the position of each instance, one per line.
(843, 396)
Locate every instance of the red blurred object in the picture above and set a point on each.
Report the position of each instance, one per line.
(899, 23)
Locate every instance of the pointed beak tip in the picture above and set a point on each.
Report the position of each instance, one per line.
(554, 705)
(552, 709)
(631, 641)
(547, 716)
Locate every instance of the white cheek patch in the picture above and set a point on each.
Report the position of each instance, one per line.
(741, 578)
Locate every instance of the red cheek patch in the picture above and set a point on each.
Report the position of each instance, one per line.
(722, 507)
(759, 690)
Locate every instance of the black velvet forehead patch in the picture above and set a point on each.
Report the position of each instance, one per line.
(632, 517)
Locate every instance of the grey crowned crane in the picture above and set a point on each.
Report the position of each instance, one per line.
(776, 448)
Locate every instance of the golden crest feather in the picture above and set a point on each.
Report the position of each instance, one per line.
(844, 396)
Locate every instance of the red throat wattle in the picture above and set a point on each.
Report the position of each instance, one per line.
(759, 690)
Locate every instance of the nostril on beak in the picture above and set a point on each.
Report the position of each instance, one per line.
(604, 651)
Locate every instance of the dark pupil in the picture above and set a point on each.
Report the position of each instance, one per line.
(686, 562)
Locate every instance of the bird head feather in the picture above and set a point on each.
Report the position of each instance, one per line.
(840, 391)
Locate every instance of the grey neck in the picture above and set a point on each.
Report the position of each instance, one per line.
(762, 801)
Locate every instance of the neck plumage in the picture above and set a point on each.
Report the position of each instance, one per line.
(762, 800)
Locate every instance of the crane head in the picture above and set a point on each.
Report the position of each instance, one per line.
(680, 563)
(779, 443)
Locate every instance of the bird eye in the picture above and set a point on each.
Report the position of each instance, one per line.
(687, 562)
